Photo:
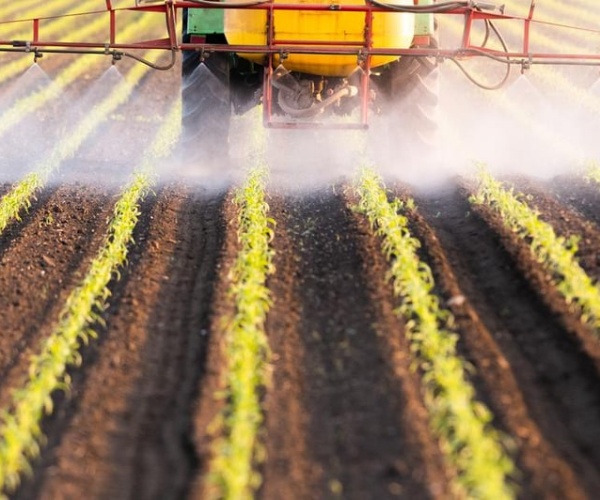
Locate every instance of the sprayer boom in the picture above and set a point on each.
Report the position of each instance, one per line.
(470, 11)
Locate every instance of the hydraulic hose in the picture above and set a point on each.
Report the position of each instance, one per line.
(347, 91)
(164, 67)
(489, 27)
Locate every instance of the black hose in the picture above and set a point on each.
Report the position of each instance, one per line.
(151, 64)
(505, 60)
(489, 27)
(484, 86)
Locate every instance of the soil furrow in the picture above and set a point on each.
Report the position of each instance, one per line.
(340, 419)
(127, 431)
(15, 227)
(566, 223)
(66, 407)
(584, 338)
(175, 359)
(551, 387)
(210, 402)
(41, 261)
(287, 472)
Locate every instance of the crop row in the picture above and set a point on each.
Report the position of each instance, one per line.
(470, 445)
(20, 424)
(246, 350)
(555, 253)
(20, 429)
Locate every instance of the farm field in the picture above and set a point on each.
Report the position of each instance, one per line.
(315, 316)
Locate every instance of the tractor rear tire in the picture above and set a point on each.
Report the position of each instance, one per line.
(206, 100)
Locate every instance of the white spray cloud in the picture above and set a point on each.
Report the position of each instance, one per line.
(527, 128)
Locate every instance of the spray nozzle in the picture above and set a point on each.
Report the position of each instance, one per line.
(526, 64)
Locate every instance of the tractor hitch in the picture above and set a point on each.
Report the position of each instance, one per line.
(304, 99)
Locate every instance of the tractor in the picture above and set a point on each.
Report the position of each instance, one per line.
(321, 69)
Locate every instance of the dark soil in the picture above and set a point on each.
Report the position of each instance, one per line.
(534, 373)
(344, 416)
(126, 432)
(41, 260)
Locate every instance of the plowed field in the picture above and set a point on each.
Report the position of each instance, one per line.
(344, 411)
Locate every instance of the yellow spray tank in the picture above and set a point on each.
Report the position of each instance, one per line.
(390, 30)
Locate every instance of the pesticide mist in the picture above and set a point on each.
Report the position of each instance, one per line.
(114, 149)
(529, 127)
(526, 128)
(31, 135)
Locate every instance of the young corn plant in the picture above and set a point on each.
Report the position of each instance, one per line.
(556, 254)
(593, 172)
(246, 347)
(469, 442)
(20, 431)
